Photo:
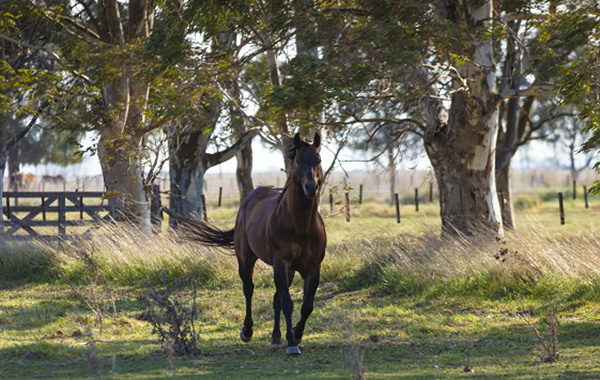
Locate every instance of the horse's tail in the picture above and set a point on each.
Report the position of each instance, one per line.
(199, 231)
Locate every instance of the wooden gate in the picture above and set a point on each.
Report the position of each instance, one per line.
(44, 211)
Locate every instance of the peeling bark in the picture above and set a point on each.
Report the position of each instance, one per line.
(462, 150)
(122, 172)
(187, 168)
(504, 187)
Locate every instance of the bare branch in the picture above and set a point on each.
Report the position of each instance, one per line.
(224, 155)
(538, 89)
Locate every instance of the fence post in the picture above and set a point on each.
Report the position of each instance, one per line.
(585, 196)
(43, 209)
(416, 199)
(204, 207)
(347, 207)
(220, 194)
(81, 207)
(360, 191)
(430, 192)
(561, 208)
(330, 202)
(61, 215)
(397, 201)
(156, 209)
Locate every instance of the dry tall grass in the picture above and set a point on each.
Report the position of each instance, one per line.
(532, 261)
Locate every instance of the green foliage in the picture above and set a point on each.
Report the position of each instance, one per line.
(575, 33)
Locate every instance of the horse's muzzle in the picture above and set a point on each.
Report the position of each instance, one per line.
(310, 189)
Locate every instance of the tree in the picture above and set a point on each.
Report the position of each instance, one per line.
(439, 61)
(579, 26)
(141, 75)
(26, 80)
(569, 134)
(403, 51)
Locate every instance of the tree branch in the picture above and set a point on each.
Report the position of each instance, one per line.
(528, 136)
(215, 159)
(538, 89)
(12, 141)
(25, 44)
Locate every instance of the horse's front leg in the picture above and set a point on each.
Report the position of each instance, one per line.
(276, 335)
(311, 283)
(282, 286)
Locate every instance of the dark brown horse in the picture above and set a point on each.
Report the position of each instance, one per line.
(283, 228)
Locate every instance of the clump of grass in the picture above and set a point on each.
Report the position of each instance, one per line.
(127, 257)
(531, 262)
(31, 261)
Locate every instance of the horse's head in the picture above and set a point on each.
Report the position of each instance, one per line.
(306, 168)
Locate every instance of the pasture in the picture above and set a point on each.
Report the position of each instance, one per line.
(396, 301)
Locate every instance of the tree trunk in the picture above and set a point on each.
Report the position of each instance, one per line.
(462, 151)
(244, 157)
(14, 164)
(244, 172)
(187, 168)
(281, 128)
(120, 158)
(504, 187)
(189, 161)
(392, 172)
(125, 100)
(3, 159)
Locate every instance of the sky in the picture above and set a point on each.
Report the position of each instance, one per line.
(536, 155)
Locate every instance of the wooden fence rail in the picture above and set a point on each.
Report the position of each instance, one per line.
(57, 203)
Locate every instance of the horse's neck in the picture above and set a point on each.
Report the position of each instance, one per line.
(300, 210)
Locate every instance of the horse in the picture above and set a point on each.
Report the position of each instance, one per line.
(29, 180)
(54, 179)
(283, 228)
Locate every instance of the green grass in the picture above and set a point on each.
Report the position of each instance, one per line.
(400, 337)
(417, 306)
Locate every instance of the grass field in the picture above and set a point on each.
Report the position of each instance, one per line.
(395, 302)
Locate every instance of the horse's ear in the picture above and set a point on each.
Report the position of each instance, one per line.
(317, 140)
(297, 141)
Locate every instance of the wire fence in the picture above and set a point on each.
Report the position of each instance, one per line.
(346, 198)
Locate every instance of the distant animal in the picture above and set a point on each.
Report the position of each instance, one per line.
(283, 228)
(53, 179)
(29, 180)
(23, 180)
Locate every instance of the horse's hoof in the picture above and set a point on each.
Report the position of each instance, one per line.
(276, 346)
(292, 350)
(243, 337)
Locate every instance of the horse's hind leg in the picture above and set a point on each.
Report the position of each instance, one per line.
(276, 335)
(311, 283)
(246, 269)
